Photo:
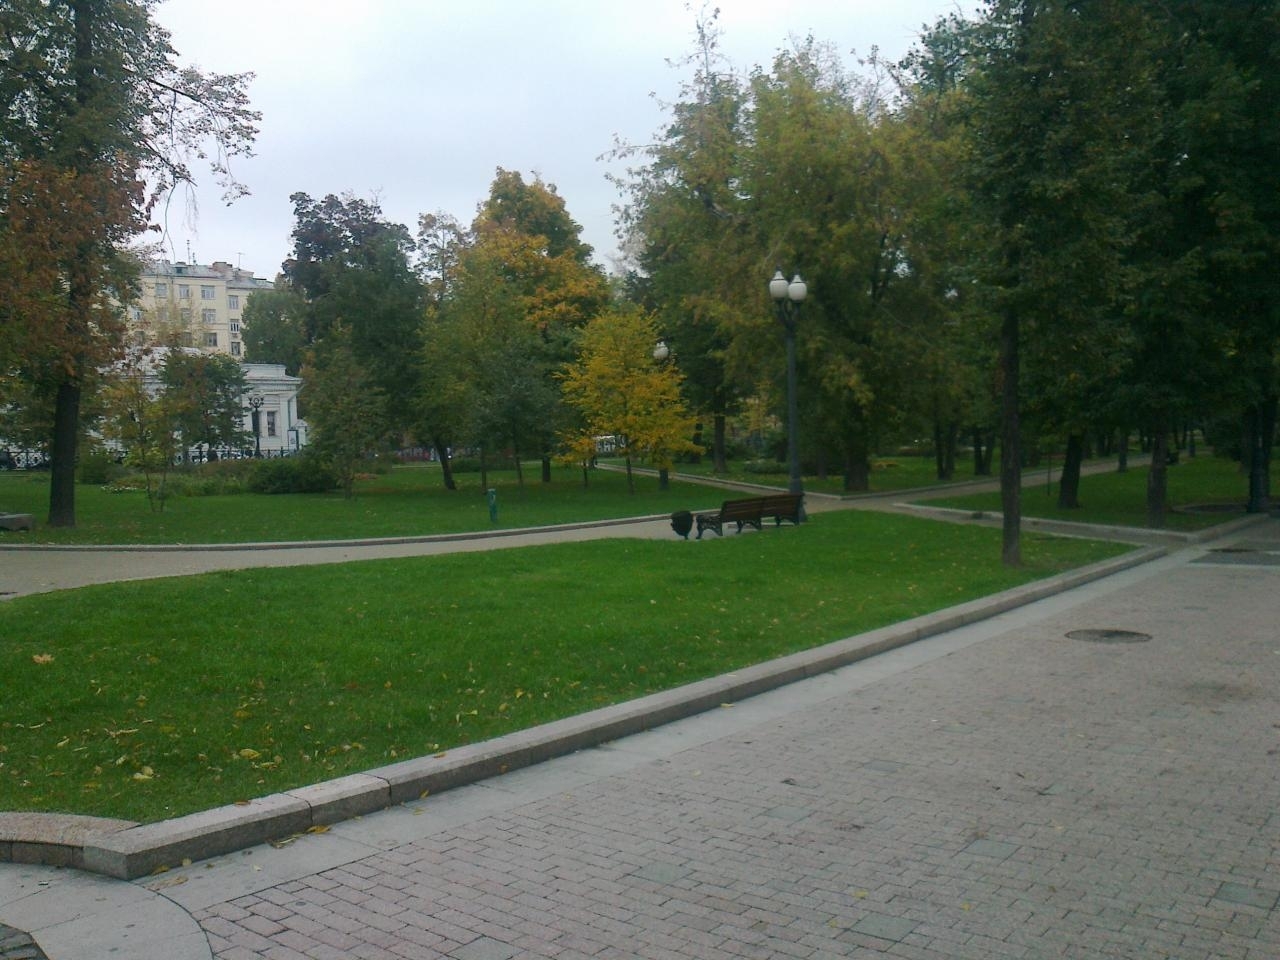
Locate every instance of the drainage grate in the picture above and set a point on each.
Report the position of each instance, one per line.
(1109, 636)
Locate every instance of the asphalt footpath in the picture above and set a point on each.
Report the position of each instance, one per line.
(1092, 773)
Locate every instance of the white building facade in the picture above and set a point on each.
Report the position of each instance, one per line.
(274, 396)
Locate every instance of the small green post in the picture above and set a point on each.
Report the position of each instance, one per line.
(493, 505)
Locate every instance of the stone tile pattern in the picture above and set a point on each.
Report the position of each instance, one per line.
(1029, 797)
(18, 945)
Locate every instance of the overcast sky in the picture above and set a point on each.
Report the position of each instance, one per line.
(416, 103)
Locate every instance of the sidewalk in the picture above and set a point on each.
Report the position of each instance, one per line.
(999, 790)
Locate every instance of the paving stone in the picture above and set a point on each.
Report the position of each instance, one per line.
(1247, 896)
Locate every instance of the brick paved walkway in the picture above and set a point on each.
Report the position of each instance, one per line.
(1027, 796)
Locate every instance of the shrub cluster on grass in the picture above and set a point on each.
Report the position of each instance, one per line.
(302, 474)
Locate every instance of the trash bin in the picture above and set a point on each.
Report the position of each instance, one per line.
(682, 523)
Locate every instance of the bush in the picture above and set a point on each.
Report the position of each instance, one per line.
(99, 469)
(301, 474)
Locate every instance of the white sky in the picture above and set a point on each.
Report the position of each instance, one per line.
(417, 102)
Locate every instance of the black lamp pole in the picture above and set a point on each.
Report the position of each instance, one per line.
(255, 402)
(787, 298)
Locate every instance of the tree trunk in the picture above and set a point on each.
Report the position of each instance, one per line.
(1260, 424)
(1122, 464)
(1010, 443)
(857, 462)
(1069, 483)
(484, 472)
(631, 483)
(62, 474)
(446, 467)
(664, 478)
(719, 460)
(546, 468)
(944, 448)
(1158, 478)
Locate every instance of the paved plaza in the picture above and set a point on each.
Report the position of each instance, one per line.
(1094, 775)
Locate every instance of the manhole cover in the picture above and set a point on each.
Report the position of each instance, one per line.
(1109, 636)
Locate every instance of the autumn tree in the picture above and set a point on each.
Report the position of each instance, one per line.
(93, 103)
(141, 422)
(507, 298)
(621, 390)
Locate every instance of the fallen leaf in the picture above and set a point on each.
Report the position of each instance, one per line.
(42, 658)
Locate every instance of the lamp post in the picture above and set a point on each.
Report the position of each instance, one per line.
(660, 354)
(787, 298)
(255, 402)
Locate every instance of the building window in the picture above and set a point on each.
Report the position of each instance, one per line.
(135, 314)
(209, 315)
(184, 314)
(233, 301)
(235, 326)
(206, 292)
(184, 291)
(271, 423)
(187, 339)
(210, 339)
(235, 348)
(162, 290)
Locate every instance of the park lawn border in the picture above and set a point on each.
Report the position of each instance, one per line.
(127, 851)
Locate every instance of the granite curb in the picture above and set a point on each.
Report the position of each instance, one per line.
(128, 851)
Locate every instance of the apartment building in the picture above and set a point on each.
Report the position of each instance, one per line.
(194, 305)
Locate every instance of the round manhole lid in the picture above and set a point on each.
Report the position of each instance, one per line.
(1109, 636)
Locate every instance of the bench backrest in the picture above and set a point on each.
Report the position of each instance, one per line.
(733, 509)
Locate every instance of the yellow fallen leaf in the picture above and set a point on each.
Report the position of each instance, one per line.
(318, 828)
(42, 658)
(248, 753)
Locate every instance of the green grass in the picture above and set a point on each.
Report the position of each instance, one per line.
(409, 501)
(1120, 498)
(151, 699)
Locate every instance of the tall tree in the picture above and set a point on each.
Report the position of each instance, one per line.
(1060, 100)
(685, 221)
(352, 267)
(92, 101)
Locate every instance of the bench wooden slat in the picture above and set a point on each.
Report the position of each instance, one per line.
(751, 512)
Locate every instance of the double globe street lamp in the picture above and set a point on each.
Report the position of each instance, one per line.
(787, 298)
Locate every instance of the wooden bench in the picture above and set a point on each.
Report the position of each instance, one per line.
(783, 506)
(751, 512)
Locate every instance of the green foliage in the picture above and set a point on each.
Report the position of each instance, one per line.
(99, 467)
(272, 325)
(92, 106)
(152, 699)
(344, 407)
(307, 473)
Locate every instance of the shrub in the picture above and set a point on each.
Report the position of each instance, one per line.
(99, 468)
(301, 474)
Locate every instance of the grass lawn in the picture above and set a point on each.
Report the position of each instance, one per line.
(408, 501)
(151, 699)
(1121, 498)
